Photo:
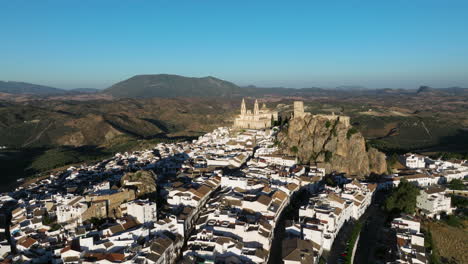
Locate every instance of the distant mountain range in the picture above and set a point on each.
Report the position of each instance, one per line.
(169, 86)
(84, 90)
(40, 90)
(28, 88)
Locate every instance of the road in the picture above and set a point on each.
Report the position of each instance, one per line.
(373, 220)
(339, 245)
(372, 232)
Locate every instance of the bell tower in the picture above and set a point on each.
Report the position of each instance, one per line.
(243, 109)
(256, 110)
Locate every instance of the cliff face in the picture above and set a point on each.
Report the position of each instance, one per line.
(338, 146)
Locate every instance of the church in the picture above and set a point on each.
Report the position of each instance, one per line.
(259, 119)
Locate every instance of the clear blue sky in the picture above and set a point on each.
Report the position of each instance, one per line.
(95, 43)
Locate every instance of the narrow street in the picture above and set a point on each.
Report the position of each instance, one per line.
(373, 220)
(339, 245)
(372, 232)
(291, 212)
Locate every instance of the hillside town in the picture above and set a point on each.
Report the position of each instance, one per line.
(217, 199)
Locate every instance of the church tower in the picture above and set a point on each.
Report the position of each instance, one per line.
(243, 109)
(256, 110)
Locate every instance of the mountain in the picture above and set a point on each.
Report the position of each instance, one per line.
(85, 90)
(29, 88)
(166, 85)
(426, 90)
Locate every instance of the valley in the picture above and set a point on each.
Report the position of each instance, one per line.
(43, 131)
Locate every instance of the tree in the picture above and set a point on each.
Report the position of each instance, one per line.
(456, 184)
(329, 180)
(403, 198)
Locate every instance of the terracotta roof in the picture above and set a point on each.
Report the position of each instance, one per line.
(27, 242)
(263, 199)
(116, 229)
(17, 210)
(337, 211)
(129, 224)
(358, 184)
(432, 190)
(280, 195)
(372, 186)
(360, 197)
(292, 186)
(204, 190)
(416, 176)
(298, 250)
(335, 198)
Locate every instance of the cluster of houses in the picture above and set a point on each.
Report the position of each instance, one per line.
(87, 215)
(409, 240)
(322, 218)
(217, 199)
(237, 223)
(433, 200)
(424, 171)
(221, 194)
(430, 175)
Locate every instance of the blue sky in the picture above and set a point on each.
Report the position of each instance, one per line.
(95, 43)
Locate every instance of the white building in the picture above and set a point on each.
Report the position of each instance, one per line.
(410, 241)
(71, 209)
(414, 161)
(279, 160)
(143, 211)
(433, 201)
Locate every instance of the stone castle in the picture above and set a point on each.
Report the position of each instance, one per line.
(258, 119)
(299, 113)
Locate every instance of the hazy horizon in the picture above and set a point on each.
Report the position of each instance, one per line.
(340, 86)
(394, 44)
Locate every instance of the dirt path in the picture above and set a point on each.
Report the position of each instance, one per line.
(29, 142)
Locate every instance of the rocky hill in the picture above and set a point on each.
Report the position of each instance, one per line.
(167, 85)
(143, 181)
(340, 147)
(52, 123)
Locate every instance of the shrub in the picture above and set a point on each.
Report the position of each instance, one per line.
(453, 220)
(351, 132)
(328, 156)
(294, 149)
(352, 240)
(55, 227)
(328, 124)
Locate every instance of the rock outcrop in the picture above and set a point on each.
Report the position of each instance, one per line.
(143, 181)
(333, 143)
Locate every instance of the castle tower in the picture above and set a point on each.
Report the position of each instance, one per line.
(243, 108)
(298, 109)
(256, 110)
